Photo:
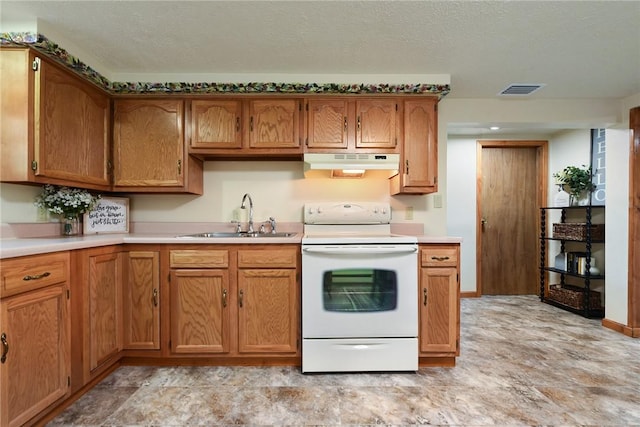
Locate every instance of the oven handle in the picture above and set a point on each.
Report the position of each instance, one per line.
(362, 250)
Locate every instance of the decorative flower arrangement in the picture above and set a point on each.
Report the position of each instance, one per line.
(66, 201)
(578, 180)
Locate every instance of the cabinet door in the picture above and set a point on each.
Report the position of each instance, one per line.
(267, 311)
(274, 123)
(216, 124)
(376, 123)
(104, 309)
(72, 128)
(36, 343)
(327, 123)
(438, 310)
(420, 148)
(142, 301)
(199, 311)
(148, 140)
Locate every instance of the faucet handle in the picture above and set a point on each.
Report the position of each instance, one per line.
(272, 223)
(238, 226)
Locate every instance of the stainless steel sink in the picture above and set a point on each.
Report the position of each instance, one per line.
(226, 234)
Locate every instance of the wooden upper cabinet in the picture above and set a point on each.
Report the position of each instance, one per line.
(419, 158)
(245, 127)
(216, 124)
(349, 124)
(149, 150)
(274, 123)
(376, 123)
(60, 127)
(327, 121)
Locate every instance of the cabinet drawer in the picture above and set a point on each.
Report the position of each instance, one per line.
(267, 258)
(439, 256)
(33, 272)
(196, 258)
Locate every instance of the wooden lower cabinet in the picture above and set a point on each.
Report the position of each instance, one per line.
(199, 311)
(439, 302)
(35, 341)
(267, 311)
(102, 273)
(235, 301)
(141, 302)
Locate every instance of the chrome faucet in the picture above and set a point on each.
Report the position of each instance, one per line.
(250, 224)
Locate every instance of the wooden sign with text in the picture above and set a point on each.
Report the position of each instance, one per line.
(110, 215)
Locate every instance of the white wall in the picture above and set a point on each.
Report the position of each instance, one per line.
(617, 225)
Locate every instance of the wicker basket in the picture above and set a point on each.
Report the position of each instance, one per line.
(573, 296)
(577, 231)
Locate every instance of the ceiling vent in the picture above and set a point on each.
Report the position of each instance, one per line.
(520, 89)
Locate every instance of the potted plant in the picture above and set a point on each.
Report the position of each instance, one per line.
(67, 202)
(579, 182)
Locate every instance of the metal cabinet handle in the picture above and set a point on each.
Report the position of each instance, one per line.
(358, 123)
(5, 347)
(345, 124)
(406, 162)
(424, 294)
(224, 297)
(240, 297)
(155, 297)
(251, 124)
(439, 258)
(36, 277)
(237, 124)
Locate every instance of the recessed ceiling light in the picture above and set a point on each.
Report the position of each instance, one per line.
(494, 127)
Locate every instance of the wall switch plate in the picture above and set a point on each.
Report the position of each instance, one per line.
(408, 213)
(437, 201)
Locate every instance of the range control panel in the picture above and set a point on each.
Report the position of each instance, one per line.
(347, 213)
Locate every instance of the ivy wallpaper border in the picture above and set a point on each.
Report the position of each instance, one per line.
(52, 50)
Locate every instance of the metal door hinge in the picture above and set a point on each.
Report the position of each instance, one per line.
(34, 166)
(35, 65)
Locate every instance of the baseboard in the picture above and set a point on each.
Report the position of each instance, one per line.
(470, 294)
(623, 329)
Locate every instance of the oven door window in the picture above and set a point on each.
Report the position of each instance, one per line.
(360, 290)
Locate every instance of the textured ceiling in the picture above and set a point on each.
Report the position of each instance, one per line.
(577, 49)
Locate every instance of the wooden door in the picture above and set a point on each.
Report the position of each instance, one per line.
(35, 373)
(200, 311)
(72, 128)
(512, 189)
(634, 222)
(142, 300)
(267, 314)
(274, 123)
(328, 125)
(216, 124)
(376, 123)
(105, 307)
(148, 143)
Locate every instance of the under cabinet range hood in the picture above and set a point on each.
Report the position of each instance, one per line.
(350, 165)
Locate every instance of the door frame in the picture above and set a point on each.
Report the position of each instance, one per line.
(633, 305)
(542, 166)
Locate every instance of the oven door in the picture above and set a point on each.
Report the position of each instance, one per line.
(351, 291)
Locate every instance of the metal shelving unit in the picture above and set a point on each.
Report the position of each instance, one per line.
(586, 278)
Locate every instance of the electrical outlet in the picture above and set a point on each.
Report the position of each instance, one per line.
(437, 201)
(408, 213)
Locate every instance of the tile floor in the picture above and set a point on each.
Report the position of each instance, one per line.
(522, 363)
